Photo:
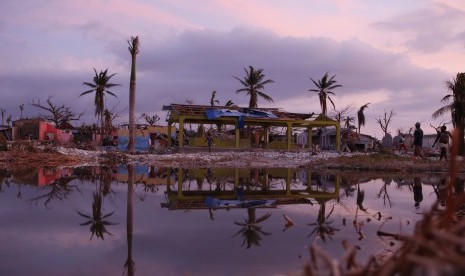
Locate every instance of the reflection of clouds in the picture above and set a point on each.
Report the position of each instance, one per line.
(173, 242)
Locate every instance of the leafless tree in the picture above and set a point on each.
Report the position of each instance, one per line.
(58, 114)
(384, 123)
(151, 120)
(342, 113)
(109, 116)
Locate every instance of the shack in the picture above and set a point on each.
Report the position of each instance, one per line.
(241, 119)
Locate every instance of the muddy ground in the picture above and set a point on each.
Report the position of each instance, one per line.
(323, 160)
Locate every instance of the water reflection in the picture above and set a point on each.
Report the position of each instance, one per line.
(130, 265)
(98, 221)
(251, 231)
(249, 208)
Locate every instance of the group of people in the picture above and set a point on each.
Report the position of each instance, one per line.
(442, 137)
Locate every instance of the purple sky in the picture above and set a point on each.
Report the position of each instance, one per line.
(395, 56)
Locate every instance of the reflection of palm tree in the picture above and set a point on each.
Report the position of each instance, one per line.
(129, 265)
(322, 225)
(98, 220)
(251, 230)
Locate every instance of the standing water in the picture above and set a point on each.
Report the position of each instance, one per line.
(215, 221)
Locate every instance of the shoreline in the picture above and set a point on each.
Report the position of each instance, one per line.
(322, 161)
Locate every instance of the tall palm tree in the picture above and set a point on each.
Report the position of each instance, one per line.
(456, 107)
(361, 116)
(253, 83)
(100, 86)
(324, 88)
(134, 50)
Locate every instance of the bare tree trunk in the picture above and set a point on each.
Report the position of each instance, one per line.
(134, 50)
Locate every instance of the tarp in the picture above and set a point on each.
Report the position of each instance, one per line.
(218, 203)
(141, 143)
(216, 113)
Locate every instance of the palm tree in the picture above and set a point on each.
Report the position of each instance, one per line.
(323, 88)
(213, 100)
(251, 231)
(134, 50)
(361, 116)
(229, 103)
(456, 108)
(100, 86)
(253, 82)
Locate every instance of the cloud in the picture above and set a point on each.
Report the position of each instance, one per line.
(427, 29)
(192, 64)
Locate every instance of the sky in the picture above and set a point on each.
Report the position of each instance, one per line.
(395, 55)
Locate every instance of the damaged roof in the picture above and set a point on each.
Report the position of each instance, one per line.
(201, 110)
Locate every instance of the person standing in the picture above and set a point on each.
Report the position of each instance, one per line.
(443, 138)
(418, 141)
(209, 141)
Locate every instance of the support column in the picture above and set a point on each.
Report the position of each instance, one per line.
(236, 134)
(169, 135)
(181, 132)
(266, 137)
(289, 135)
(338, 137)
(310, 137)
(288, 181)
(180, 181)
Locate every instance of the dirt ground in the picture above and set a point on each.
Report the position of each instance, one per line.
(324, 160)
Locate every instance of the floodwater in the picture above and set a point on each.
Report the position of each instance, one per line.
(93, 221)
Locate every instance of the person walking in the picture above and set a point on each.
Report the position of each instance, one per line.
(402, 144)
(418, 141)
(443, 138)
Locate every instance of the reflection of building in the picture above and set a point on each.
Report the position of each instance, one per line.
(281, 185)
(148, 175)
(40, 176)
